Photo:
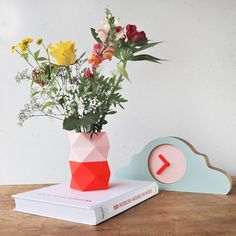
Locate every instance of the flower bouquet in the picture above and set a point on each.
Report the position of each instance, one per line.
(74, 89)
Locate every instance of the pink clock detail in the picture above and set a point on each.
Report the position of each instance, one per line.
(167, 164)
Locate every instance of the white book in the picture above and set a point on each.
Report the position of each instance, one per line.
(91, 207)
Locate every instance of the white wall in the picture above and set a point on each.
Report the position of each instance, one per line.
(191, 96)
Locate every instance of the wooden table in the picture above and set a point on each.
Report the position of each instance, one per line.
(168, 213)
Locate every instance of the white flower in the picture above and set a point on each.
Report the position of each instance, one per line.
(102, 34)
(105, 24)
(120, 35)
(117, 21)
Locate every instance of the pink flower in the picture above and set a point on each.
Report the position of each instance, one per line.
(95, 60)
(110, 49)
(97, 48)
(87, 73)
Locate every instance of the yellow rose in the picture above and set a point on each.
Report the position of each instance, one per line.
(63, 53)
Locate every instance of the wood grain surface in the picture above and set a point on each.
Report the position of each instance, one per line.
(168, 213)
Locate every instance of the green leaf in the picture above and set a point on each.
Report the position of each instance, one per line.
(70, 123)
(121, 106)
(25, 56)
(104, 122)
(88, 119)
(73, 122)
(148, 45)
(122, 71)
(95, 35)
(122, 100)
(42, 59)
(55, 69)
(140, 43)
(82, 55)
(34, 93)
(48, 104)
(54, 90)
(36, 54)
(111, 112)
(145, 57)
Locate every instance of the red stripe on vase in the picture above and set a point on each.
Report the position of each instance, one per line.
(88, 176)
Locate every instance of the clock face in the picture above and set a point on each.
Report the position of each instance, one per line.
(167, 164)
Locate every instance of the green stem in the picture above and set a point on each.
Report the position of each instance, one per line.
(46, 116)
(71, 82)
(25, 59)
(119, 80)
(69, 74)
(32, 56)
(49, 61)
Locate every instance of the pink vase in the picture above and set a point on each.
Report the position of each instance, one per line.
(88, 161)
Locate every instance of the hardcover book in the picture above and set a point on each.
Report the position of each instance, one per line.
(90, 207)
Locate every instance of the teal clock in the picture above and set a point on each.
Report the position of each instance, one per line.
(176, 166)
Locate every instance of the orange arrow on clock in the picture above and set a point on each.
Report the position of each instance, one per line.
(165, 165)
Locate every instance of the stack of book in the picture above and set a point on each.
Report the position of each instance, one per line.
(92, 207)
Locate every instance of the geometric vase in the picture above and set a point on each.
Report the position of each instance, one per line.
(88, 161)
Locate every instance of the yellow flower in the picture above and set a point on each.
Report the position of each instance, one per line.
(22, 47)
(63, 53)
(27, 41)
(39, 41)
(13, 48)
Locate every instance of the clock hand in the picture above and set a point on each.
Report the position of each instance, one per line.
(165, 165)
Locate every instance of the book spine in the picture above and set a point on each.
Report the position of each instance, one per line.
(118, 205)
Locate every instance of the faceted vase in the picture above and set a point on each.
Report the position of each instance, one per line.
(88, 161)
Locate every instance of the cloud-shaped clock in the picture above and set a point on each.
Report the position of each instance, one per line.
(176, 166)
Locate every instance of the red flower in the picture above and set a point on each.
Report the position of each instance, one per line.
(134, 35)
(118, 29)
(36, 77)
(87, 73)
(131, 28)
(40, 82)
(139, 36)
